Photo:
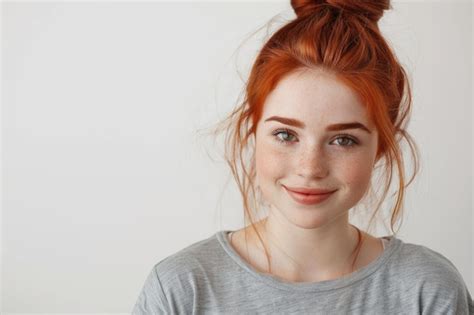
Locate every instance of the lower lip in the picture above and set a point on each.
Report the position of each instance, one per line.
(308, 199)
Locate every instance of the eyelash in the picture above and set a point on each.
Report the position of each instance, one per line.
(341, 136)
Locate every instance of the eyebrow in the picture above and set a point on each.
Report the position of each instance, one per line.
(335, 127)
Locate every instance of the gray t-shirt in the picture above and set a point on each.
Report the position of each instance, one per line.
(210, 277)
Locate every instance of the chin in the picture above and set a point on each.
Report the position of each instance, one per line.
(305, 218)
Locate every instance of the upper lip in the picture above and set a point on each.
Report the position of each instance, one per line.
(309, 191)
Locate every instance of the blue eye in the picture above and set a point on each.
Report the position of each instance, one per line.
(284, 131)
(348, 141)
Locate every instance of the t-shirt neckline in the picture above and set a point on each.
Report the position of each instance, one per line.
(392, 245)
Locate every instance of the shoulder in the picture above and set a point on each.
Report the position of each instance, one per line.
(193, 258)
(423, 259)
(173, 281)
(432, 278)
(426, 263)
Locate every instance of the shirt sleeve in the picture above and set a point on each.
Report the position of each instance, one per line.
(151, 299)
(447, 294)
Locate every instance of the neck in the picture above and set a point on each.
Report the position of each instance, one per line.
(309, 254)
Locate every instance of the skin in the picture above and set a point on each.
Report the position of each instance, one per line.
(310, 243)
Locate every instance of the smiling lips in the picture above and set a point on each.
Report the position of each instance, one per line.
(309, 191)
(308, 196)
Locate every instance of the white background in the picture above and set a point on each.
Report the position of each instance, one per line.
(105, 172)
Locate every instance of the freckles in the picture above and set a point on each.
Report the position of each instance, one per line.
(357, 172)
(270, 162)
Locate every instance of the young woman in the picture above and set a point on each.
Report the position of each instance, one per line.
(326, 105)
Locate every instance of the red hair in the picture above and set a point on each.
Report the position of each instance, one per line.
(340, 37)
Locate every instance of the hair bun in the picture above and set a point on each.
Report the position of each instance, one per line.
(372, 9)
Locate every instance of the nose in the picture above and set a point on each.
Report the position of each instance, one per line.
(312, 163)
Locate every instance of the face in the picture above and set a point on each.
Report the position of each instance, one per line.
(313, 152)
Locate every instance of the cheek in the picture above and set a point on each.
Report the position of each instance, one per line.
(270, 163)
(356, 173)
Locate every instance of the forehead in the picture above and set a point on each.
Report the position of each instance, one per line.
(316, 98)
